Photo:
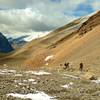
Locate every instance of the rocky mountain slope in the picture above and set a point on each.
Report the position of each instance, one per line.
(75, 42)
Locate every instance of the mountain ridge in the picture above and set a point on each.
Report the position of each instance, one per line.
(64, 44)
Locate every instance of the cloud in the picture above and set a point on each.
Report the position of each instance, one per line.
(26, 20)
(96, 4)
(29, 16)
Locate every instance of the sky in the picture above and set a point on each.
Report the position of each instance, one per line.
(33, 16)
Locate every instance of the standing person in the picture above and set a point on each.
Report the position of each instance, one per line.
(81, 66)
(66, 65)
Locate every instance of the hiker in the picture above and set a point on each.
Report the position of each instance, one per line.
(81, 66)
(66, 65)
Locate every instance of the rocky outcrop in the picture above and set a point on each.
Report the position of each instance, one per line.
(92, 22)
(4, 44)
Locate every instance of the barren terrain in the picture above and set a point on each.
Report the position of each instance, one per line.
(47, 84)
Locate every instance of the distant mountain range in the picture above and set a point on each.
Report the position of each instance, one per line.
(4, 44)
(17, 42)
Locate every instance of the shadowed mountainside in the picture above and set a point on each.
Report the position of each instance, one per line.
(4, 44)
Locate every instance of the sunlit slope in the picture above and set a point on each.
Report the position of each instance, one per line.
(74, 42)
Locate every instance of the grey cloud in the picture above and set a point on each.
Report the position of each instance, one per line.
(24, 16)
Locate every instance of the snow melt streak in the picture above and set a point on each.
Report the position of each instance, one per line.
(37, 72)
(37, 96)
(48, 57)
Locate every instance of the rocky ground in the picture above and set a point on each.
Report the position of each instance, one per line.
(48, 84)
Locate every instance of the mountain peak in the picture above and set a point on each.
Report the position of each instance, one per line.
(4, 44)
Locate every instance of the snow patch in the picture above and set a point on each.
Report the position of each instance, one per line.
(36, 96)
(72, 76)
(31, 80)
(41, 73)
(34, 82)
(19, 82)
(28, 36)
(37, 72)
(48, 57)
(96, 81)
(36, 35)
(7, 72)
(16, 81)
(18, 75)
(67, 86)
(23, 82)
(11, 71)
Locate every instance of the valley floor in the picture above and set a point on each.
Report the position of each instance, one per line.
(46, 84)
